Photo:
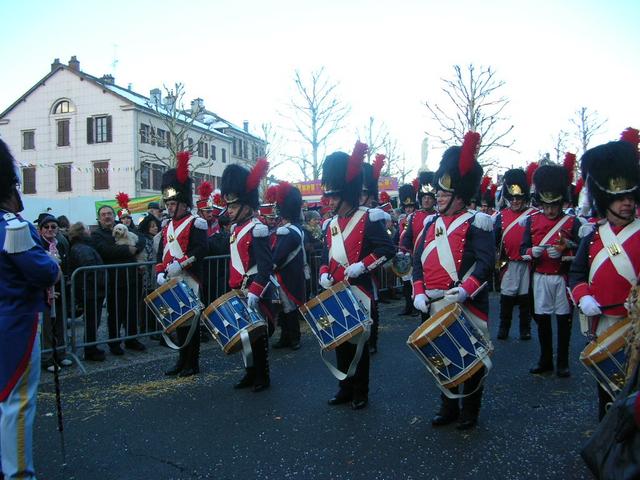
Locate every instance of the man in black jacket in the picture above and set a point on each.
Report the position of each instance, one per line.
(121, 285)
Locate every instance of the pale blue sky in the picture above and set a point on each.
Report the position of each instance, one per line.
(388, 56)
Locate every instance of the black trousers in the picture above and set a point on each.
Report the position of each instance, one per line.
(470, 405)
(189, 355)
(375, 317)
(356, 386)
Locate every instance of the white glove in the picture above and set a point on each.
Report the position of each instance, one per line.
(589, 306)
(252, 301)
(456, 295)
(325, 280)
(174, 269)
(526, 258)
(161, 279)
(553, 252)
(420, 303)
(537, 251)
(355, 270)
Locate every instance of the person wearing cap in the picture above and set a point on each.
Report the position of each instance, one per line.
(508, 228)
(407, 198)
(26, 272)
(453, 260)
(183, 245)
(124, 213)
(251, 262)
(549, 240)
(153, 208)
(607, 263)
(289, 260)
(351, 257)
(209, 208)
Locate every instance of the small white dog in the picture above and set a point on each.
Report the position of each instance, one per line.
(123, 236)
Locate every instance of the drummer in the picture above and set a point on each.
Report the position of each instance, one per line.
(183, 245)
(408, 205)
(596, 280)
(453, 259)
(251, 261)
(366, 246)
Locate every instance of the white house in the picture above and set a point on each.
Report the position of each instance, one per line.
(79, 139)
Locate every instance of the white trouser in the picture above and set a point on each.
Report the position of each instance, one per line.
(515, 280)
(17, 414)
(550, 295)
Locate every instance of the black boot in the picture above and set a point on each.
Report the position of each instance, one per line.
(524, 304)
(248, 378)
(261, 361)
(545, 363)
(506, 314)
(407, 290)
(191, 353)
(564, 337)
(471, 403)
(294, 329)
(373, 339)
(449, 411)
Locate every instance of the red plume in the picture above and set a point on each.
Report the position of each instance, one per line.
(257, 173)
(283, 190)
(205, 190)
(579, 185)
(271, 194)
(384, 197)
(416, 185)
(531, 169)
(182, 168)
(486, 181)
(631, 135)
(569, 164)
(377, 165)
(470, 147)
(494, 189)
(219, 200)
(123, 200)
(356, 159)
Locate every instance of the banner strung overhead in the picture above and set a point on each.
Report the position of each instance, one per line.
(314, 187)
(136, 205)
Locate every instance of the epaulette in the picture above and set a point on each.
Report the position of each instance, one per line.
(260, 230)
(17, 235)
(429, 219)
(325, 224)
(376, 214)
(523, 221)
(201, 223)
(483, 222)
(282, 231)
(586, 229)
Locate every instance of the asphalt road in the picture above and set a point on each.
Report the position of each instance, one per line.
(125, 420)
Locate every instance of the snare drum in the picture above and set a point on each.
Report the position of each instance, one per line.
(173, 304)
(228, 317)
(335, 316)
(605, 357)
(451, 347)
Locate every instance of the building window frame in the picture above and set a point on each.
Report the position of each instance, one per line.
(29, 180)
(28, 139)
(63, 132)
(99, 129)
(63, 171)
(101, 175)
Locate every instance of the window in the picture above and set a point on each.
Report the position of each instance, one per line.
(206, 150)
(63, 106)
(145, 133)
(99, 129)
(28, 139)
(63, 133)
(163, 137)
(64, 177)
(151, 176)
(224, 155)
(234, 148)
(246, 150)
(239, 148)
(213, 152)
(29, 180)
(200, 149)
(101, 175)
(190, 144)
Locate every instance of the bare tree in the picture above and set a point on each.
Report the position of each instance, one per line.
(474, 103)
(396, 163)
(560, 145)
(587, 123)
(374, 135)
(316, 113)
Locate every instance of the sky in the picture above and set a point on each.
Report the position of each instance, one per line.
(387, 58)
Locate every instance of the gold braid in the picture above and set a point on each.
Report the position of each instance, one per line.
(633, 338)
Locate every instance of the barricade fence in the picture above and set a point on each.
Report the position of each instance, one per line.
(104, 304)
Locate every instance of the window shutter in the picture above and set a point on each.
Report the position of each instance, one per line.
(89, 130)
(109, 135)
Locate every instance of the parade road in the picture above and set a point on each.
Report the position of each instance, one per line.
(125, 420)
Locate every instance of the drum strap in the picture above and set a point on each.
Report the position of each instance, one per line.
(362, 339)
(236, 261)
(613, 249)
(337, 250)
(556, 228)
(192, 330)
(295, 252)
(455, 224)
(513, 224)
(172, 245)
(445, 255)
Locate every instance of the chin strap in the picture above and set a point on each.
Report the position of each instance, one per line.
(626, 219)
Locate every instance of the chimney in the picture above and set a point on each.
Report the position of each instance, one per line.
(155, 97)
(245, 126)
(74, 64)
(108, 79)
(197, 107)
(56, 63)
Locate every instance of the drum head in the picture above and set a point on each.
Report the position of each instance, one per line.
(612, 340)
(434, 327)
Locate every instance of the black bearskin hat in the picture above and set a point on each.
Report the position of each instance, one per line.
(9, 174)
(406, 196)
(514, 184)
(289, 202)
(551, 183)
(342, 174)
(176, 183)
(426, 185)
(239, 185)
(611, 170)
(459, 172)
(371, 176)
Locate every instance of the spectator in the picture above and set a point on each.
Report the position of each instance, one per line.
(63, 225)
(53, 326)
(127, 220)
(121, 284)
(89, 286)
(148, 229)
(153, 209)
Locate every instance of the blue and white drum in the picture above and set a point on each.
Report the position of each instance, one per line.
(336, 316)
(228, 319)
(173, 304)
(605, 357)
(451, 346)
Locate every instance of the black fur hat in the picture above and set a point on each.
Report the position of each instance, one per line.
(9, 174)
(239, 185)
(459, 172)
(176, 182)
(611, 170)
(426, 185)
(289, 201)
(342, 174)
(371, 176)
(551, 184)
(514, 184)
(406, 196)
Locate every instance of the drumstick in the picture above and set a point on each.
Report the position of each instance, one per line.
(471, 296)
